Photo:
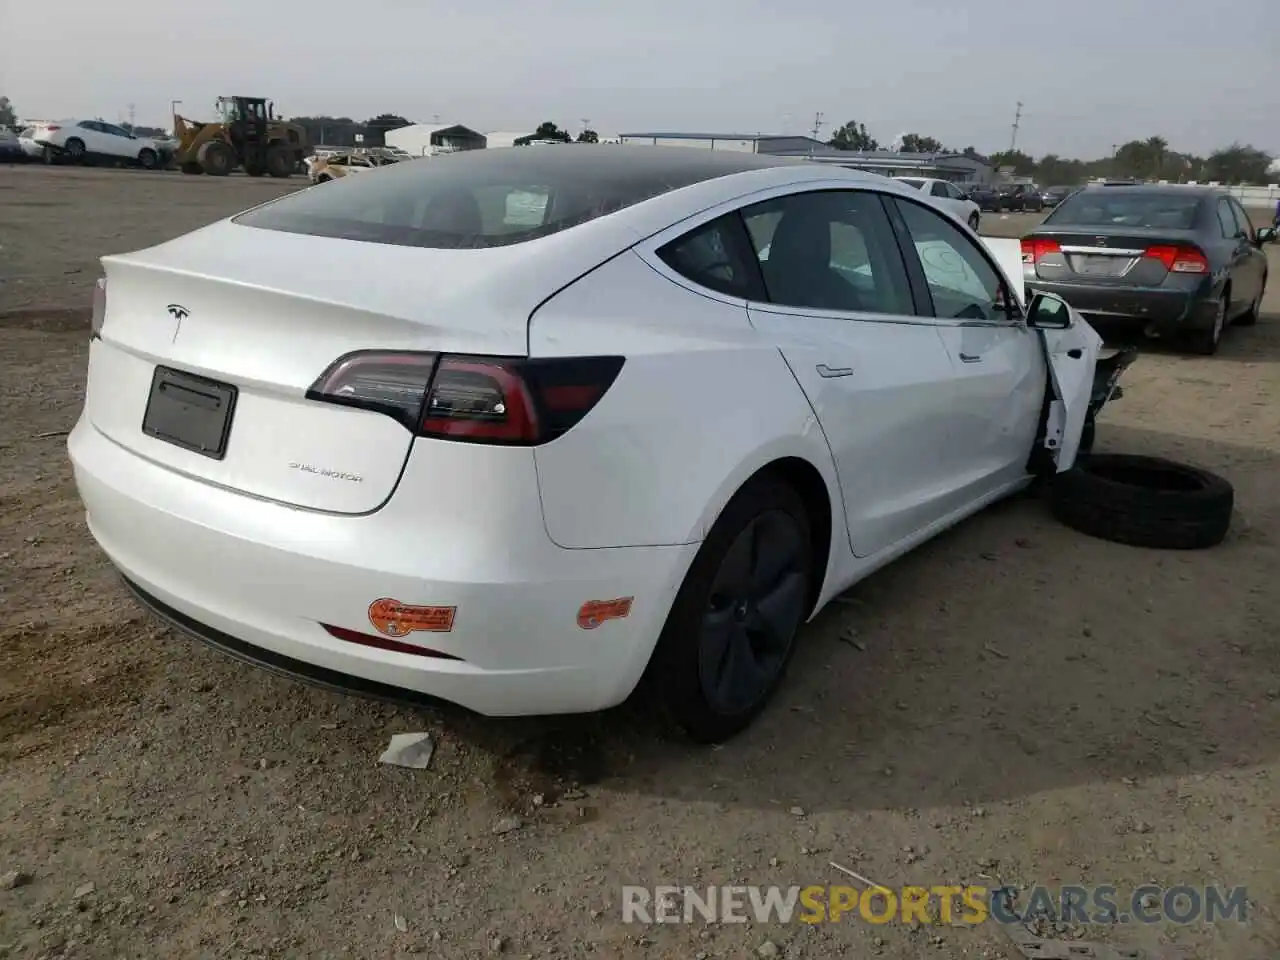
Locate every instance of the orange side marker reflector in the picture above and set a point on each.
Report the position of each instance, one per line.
(595, 612)
(395, 619)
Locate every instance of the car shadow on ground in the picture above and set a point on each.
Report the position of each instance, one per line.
(973, 671)
(1257, 344)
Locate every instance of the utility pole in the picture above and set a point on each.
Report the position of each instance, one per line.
(1017, 116)
(132, 115)
(817, 124)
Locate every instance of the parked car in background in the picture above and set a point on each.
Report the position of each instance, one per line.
(1173, 261)
(96, 141)
(487, 458)
(1023, 197)
(11, 148)
(947, 196)
(1052, 196)
(338, 165)
(32, 150)
(987, 198)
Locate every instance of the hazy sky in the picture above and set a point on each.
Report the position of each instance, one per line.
(954, 69)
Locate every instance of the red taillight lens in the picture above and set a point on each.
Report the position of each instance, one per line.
(1178, 259)
(504, 400)
(53, 128)
(1034, 248)
(99, 307)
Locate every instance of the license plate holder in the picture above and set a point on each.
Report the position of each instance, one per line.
(1100, 266)
(189, 411)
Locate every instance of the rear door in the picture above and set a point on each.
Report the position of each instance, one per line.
(116, 141)
(943, 198)
(1253, 272)
(998, 367)
(878, 375)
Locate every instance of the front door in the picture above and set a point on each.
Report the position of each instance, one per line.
(998, 366)
(841, 309)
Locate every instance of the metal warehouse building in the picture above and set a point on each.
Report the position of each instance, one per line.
(944, 166)
(429, 140)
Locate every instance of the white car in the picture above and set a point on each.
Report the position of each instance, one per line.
(562, 419)
(948, 196)
(84, 141)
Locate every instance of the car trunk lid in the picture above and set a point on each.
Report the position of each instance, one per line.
(227, 329)
(1134, 257)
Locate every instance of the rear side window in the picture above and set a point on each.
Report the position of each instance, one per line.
(1122, 208)
(716, 256)
(489, 198)
(829, 250)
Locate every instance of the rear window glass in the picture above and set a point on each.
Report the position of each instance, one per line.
(490, 198)
(1100, 208)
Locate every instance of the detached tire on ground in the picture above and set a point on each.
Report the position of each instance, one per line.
(1144, 501)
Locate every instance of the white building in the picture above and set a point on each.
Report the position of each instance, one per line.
(505, 138)
(433, 139)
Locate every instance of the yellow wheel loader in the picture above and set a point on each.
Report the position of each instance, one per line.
(246, 136)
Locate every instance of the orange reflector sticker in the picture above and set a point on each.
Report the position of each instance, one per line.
(595, 612)
(395, 619)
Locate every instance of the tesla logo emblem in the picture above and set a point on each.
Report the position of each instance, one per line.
(179, 313)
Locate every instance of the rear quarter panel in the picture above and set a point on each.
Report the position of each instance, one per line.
(702, 403)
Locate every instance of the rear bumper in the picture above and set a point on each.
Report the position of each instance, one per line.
(258, 579)
(1156, 312)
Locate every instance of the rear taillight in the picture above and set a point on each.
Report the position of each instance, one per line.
(99, 308)
(502, 400)
(1179, 259)
(1036, 248)
(52, 128)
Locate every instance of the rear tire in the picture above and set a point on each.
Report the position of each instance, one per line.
(1144, 502)
(1251, 318)
(1206, 342)
(732, 628)
(216, 158)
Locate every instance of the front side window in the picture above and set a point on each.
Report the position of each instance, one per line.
(962, 282)
(829, 250)
(1242, 220)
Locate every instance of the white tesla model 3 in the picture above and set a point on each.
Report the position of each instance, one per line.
(517, 428)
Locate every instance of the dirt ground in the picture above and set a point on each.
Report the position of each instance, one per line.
(1021, 704)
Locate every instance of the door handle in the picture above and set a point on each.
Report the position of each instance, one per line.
(829, 372)
(970, 357)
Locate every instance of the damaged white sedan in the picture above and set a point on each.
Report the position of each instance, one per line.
(517, 429)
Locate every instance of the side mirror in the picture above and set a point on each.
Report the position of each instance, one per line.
(1266, 235)
(1047, 312)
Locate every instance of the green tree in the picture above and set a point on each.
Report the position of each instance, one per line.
(1023, 164)
(375, 130)
(1238, 164)
(8, 116)
(588, 136)
(915, 143)
(853, 136)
